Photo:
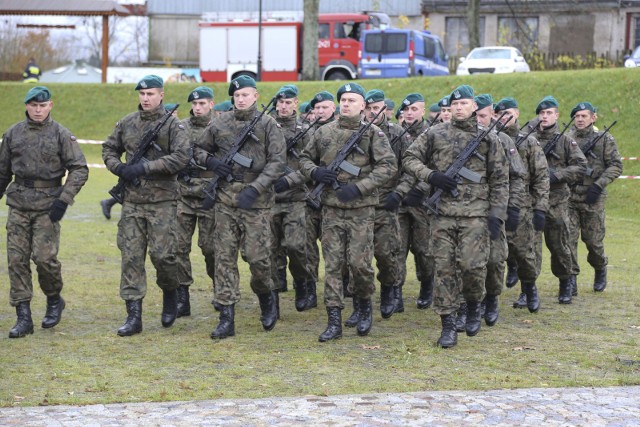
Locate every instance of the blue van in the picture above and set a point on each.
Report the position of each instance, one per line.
(393, 53)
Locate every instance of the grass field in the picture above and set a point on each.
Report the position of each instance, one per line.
(593, 342)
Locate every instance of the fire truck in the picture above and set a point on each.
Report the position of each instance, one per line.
(229, 44)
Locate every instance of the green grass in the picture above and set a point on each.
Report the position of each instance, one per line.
(83, 361)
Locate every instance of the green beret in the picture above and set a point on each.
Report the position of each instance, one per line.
(462, 92)
(319, 97)
(37, 94)
(351, 88)
(149, 82)
(337, 109)
(223, 106)
(169, 107)
(374, 95)
(201, 92)
(505, 104)
(303, 107)
(288, 92)
(412, 98)
(390, 104)
(241, 82)
(547, 102)
(434, 108)
(583, 106)
(398, 112)
(483, 100)
(445, 102)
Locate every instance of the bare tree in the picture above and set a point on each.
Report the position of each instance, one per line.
(473, 23)
(310, 67)
(128, 39)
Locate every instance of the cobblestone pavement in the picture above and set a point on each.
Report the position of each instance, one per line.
(615, 406)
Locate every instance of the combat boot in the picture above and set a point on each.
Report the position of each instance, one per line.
(184, 305)
(461, 318)
(600, 280)
(366, 317)
(491, 310)
(334, 325)
(24, 323)
(472, 327)
(531, 293)
(169, 307)
(512, 274)
(352, 321)
(312, 298)
(300, 287)
(282, 280)
(521, 302)
(387, 305)
(55, 305)
(268, 310)
(564, 294)
(133, 324)
(226, 326)
(425, 298)
(448, 336)
(573, 279)
(106, 205)
(398, 302)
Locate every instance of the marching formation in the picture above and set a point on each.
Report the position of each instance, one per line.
(463, 185)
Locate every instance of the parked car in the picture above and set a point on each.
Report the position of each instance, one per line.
(633, 60)
(493, 59)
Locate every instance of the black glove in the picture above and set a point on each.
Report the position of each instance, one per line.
(495, 225)
(348, 192)
(553, 179)
(281, 185)
(538, 219)
(593, 194)
(414, 197)
(57, 210)
(392, 202)
(324, 175)
(442, 181)
(247, 197)
(220, 168)
(513, 218)
(131, 172)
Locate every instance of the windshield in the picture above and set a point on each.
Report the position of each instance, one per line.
(385, 43)
(636, 53)
(490, 54)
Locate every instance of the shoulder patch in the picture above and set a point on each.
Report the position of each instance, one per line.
(512, 151)
(181, 126)
(72, 137)
(574, 144)
(278, 125)
(380, 133)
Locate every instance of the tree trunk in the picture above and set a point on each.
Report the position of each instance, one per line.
(473, 23)
(310, 67)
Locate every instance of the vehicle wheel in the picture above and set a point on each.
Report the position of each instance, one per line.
(338, 75)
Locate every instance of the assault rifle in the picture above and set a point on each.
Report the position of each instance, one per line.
(148, 141)
(340, 162)
(458, 169)
(588, 149)
(551, 145)
(523, 137)
(233, 155)
(397, 138)
(293, 141)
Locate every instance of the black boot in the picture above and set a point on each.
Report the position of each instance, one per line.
(564, 295)
(352, 321)
(55, 305)
(276, 298)
(334, 326)
(600, 280)
(425, 298)
(312, 298)
(573, 279)
(387, 305)
(521, 302)
(184, 305)
(461, 318)
(268, 310)
(472, 326)
(491, 310)
(24, 324)
(106, 205)
(169, 307)
(366, 317)
(449, 336)
(226, 326)
(282, 280)
(300, 286)
(512, 274)
(531, 292)
(398, 302)
(216, 306)
(133, 324)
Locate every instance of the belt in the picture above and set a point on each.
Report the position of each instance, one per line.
(39, 183)
(201, 174)
(244, 176)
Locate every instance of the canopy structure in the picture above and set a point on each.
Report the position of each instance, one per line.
(104, 8)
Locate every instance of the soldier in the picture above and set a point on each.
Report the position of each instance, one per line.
(148, 217)
(222, 107)
(434, 111)
(31, 72)
(522, 240)
(37, 153)
(445, 109)
(243, 203)
(348, 212)
(192, 182)
(389, 111)
(567, 165)
(588, 195)
(467, 221)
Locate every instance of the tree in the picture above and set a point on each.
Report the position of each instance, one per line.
(310, 67)
(473, 23)
(128, 38)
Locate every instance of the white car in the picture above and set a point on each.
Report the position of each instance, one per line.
(493, 59)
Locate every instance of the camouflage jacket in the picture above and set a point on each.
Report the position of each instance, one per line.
(268, 155)
(377, 163)
(568, 164)
(602, 168)
(291, 126)
(517, 191)
(536, 178)
(193, 180)
(437, 149)
(40, 151)
(392, 131)
(408, 181)
(159, 183)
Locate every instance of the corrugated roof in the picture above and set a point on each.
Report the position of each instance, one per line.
(67, 7)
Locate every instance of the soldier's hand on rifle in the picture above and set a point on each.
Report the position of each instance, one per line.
(441, 180)
(57, 210)
(553, 178)
(513, 218)
(281, 185)
(348, 192)
(247, 197)
(131, 172)
(392, 202)
(495, 225)
(538, 219)
(593, 194)
(414, 197)
(220, 168)
(324, 175)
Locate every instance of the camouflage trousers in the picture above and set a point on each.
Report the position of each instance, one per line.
(386, 246)
(556, 237)
(347, 242)
(587, 221)
(414, 236)
(313, 218)
(32, 235)
(290, 239)
(498, 250)
(189, 215)
(248, 231)
(152, 227)
(461, 251)
(523, 247)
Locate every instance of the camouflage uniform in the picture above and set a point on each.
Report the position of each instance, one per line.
(148, 218)
(38, 154)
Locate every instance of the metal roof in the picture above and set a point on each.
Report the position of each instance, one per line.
(67, 7)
